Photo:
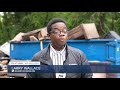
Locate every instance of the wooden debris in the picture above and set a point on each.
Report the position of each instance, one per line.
(3, 73)
(43, 34)
(84, 31)
(6, 48)
(90, 31)
(18, 37)
(27, 35)
(75, 33)
(38, 33)
(4, 62)
(32, 38)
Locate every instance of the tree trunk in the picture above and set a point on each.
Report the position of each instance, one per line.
(101, 22)
(113, 21)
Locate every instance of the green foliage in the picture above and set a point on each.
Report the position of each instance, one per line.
(14, 22)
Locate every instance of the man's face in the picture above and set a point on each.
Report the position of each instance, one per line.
(58, 34)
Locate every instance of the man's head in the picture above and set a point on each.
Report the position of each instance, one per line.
(53, 21)
(57, 30)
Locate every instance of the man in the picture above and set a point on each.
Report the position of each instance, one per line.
(59, 53)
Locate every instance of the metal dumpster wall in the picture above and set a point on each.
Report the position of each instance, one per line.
(95, 49)
(99, 49)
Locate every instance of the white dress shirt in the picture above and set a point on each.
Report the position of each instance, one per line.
(58, 57)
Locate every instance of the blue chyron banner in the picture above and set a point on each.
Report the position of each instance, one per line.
(35, 67)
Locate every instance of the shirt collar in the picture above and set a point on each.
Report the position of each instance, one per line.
(55, 51)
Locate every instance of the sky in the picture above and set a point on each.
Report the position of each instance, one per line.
(1, 13)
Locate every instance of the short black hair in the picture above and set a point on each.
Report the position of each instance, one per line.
(53, 21)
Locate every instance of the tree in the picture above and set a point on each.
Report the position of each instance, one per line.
(15, 22)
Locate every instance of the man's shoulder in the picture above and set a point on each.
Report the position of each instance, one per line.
(40, 53)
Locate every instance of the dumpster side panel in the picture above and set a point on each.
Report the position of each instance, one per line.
(93, 50)
(23, 51)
